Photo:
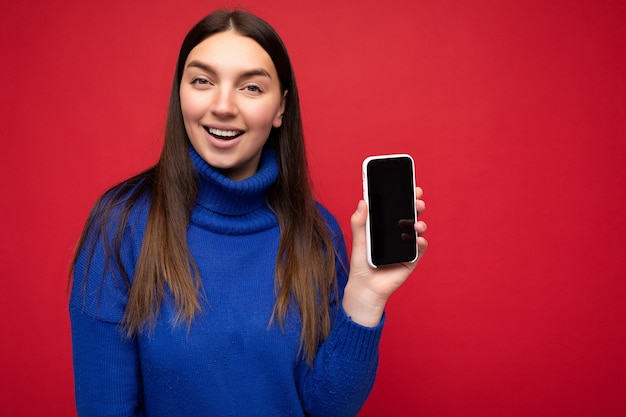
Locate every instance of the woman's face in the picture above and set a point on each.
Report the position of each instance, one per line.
(230, 98)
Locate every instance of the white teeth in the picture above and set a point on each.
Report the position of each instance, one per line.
(223, 133)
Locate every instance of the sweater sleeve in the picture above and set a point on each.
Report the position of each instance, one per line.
(344, 369)
(107, 377)
(106, 368)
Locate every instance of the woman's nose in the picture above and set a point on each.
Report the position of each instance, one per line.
(223, 104)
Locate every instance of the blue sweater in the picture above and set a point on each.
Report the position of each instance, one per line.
(230, 362)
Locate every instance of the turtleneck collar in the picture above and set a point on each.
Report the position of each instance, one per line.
(234, 207)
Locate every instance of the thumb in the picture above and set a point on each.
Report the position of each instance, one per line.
(357, 224)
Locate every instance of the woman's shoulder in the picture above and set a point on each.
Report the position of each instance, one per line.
(125, 200)
(120, 214)
(326, 214)
(109, 248)
(331, 221)
(134, 188)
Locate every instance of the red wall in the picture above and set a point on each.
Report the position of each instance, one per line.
(515, 114)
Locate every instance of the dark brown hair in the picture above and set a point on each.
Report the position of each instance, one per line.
(305, 273)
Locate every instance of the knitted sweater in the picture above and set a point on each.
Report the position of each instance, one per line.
(230, 361)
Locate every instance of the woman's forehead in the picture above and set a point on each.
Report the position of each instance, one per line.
(231, 49)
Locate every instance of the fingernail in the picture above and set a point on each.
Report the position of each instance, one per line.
(359, 207)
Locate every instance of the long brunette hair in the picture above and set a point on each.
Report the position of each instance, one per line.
(305, 272)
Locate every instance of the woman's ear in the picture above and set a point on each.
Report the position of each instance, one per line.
(278, 120)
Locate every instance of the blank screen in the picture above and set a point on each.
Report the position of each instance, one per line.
(391, 210)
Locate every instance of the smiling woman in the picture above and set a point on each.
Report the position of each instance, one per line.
(230, 282)
(230, 104)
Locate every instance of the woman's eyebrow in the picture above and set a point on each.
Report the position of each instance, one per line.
(255, 72)
(202, 66)
(244, 74)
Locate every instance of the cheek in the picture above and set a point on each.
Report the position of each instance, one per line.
(191, 106)
(263, 116)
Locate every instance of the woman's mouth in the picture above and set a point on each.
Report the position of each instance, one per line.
(223, 134)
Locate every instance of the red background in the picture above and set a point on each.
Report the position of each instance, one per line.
(513, 110)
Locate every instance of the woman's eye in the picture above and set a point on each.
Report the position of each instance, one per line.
(253, 88)
(199, 81)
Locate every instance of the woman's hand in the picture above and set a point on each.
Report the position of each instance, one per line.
(368, 289)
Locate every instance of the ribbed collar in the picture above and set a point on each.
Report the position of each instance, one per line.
(234, 207)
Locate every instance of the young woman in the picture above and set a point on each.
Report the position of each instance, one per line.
(213, 283)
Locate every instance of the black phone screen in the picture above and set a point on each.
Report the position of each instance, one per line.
(391, 194)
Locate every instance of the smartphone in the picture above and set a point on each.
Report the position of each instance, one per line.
(389, 190)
